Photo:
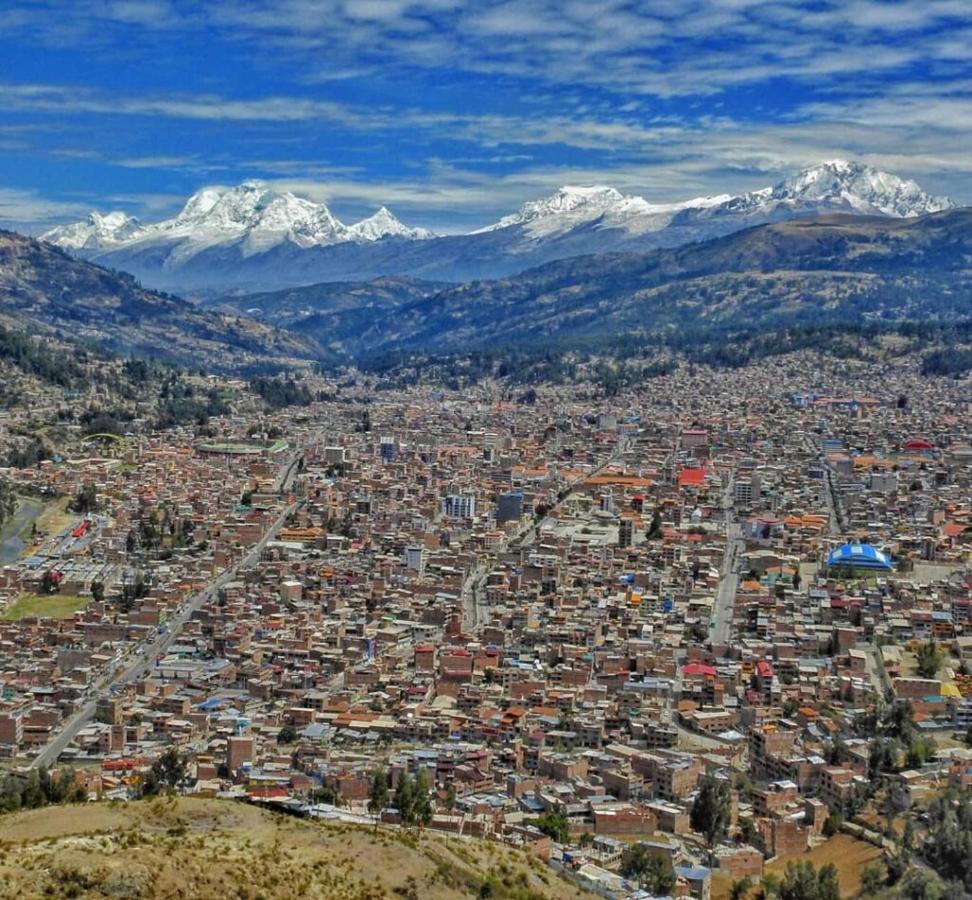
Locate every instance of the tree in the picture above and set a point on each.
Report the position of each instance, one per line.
(405, 798)
(711, 810)
(378, 793)
(770, 885)
(326, 794)
(8, 502)
(896, 865)
(895, 802)
(740, 888)
(86, 499)
(873, 878)
(422, 804)
(697, 633)
(919, 884)
(287, 734)
(832, 824)
(652, 871)
(553, 824)
(655, 528)
(166, 774)
(930, 659)
(450, 798)
(801, 881)
(98, 591)
(901, 720)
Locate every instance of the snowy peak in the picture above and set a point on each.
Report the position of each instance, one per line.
(571, 204)
(251, 215)
(599, 208)
(95, 232)
(255, 234)
(384, 224)
(252, 206)
(842, 183)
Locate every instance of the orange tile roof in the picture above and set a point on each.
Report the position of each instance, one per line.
(691, 477)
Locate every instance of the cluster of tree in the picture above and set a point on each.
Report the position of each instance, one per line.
(636, 354)
(954, 362)
(160, 528)
(132, 591)
(411, 798)
(28, 454)
(278, 393)
(95, 420)
(895, 734)
(712, 809)
(167, 773)
(653, 872)
(554, 824)
(930, 658)
(8, 501)
(39, 788)
(86, 499)
(947, 847)
(180, 404)
(803, 881)
(32, 357)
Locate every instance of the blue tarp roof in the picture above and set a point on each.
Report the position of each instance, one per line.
(860, 556)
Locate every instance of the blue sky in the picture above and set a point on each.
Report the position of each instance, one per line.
(454, 113)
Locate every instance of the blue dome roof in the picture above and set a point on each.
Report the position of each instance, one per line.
(860, 556)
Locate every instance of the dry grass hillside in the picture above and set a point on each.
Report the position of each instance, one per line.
(193, 848)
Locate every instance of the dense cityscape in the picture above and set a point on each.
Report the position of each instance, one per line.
(512, 450)
(573, 619)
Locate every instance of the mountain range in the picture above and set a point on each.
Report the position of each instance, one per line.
(764, 283)
(834, 269)
(253, 238)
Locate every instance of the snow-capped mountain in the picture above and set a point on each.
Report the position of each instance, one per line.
(384, 224)
(859, 187)
(96, 232)
(250, 216)
(604, 206)
(252, 237)
(839, 185)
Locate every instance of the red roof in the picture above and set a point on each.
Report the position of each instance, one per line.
(268, 793)
(699, 669)
(918, 444)
(691, 477)
(764, 668)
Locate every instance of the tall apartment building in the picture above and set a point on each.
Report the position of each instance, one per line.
(459, 506)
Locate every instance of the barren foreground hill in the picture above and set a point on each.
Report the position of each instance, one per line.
(191, 848)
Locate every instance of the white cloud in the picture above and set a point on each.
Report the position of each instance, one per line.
(596, 78)
(29, 211)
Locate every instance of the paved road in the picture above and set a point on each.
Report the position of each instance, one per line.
(474, 608)
(720, 629)
(722, 611)
(147, 654)
(830, 495)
